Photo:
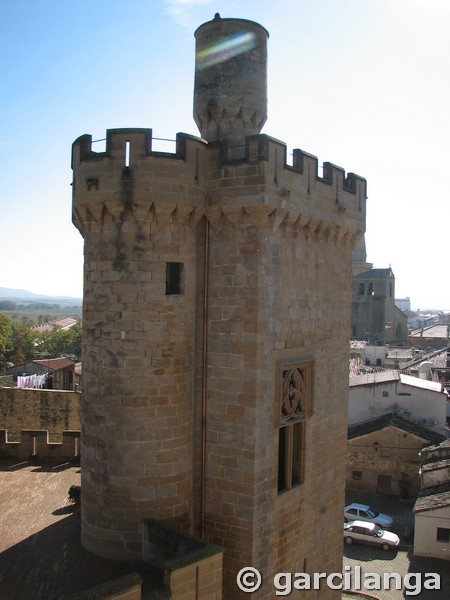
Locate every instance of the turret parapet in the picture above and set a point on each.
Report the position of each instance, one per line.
(297, 187)
(137, 143)
(303, 163)
(330, 172)
(129, 176)
(127, 145)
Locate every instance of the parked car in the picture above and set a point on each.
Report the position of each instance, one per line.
(363, 512)
(369, 533)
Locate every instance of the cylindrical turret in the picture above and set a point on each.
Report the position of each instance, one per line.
(138, 338)
(230, 90)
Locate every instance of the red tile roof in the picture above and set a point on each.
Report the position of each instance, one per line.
(55, 364)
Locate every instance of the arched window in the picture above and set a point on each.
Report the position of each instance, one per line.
(361, 289)
(371, 289)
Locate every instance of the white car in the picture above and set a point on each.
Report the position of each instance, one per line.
(369, 533)
(363, 512)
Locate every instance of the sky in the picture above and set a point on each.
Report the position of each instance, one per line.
(364, 84)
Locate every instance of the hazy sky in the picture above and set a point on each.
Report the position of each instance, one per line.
(364, 84)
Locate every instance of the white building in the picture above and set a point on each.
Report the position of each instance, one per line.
(420, 401)
(432, 508)
(403, 303)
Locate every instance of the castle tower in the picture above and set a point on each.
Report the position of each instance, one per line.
(216, 319)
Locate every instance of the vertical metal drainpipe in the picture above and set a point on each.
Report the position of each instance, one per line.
(204, 372)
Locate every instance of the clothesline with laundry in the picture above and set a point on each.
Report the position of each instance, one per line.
(33, 381)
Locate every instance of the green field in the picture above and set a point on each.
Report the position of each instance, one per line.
(19, 309)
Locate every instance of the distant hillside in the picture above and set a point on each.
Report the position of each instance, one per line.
(13, 293)
(16, 294)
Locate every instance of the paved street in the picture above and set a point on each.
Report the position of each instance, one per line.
(376, 560)
(41, 557)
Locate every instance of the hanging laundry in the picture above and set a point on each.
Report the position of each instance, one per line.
(32, 381)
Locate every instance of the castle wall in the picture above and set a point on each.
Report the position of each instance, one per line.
(51, 410)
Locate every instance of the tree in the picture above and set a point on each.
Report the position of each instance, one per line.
(8, 305)
(5, 336)
(21, 344)
(75, 341)
(61, 342)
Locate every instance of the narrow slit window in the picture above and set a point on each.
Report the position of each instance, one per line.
(282, 481)
(127, 153)
(290, 456)
(174, 278)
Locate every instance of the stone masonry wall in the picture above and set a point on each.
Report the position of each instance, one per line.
(275, 296)
(279, 290)
(201, 580)
(46, 410)
(397, 456)
(138, 342)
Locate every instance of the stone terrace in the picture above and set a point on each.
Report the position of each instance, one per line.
(41, 557)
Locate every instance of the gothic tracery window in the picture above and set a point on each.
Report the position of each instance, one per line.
(296, 405)
(293, 396)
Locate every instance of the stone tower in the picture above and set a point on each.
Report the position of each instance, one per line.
(216, 317)
(375, 317)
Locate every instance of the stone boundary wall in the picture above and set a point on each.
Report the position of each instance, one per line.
(54, 411)
(39, 423)
(202, 580)
(192, 568)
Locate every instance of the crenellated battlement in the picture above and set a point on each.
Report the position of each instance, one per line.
(129, 177)
(331, 173)
(40, 444)
(299, 187)
(127, 145)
